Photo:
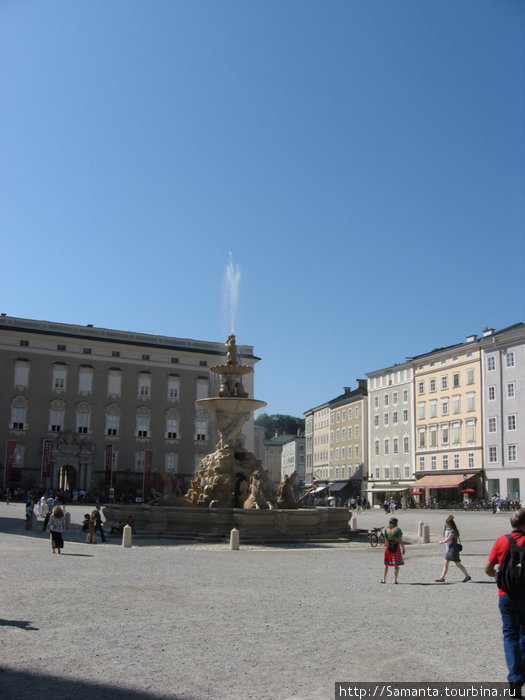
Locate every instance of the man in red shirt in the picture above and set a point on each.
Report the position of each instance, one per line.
(512, 609)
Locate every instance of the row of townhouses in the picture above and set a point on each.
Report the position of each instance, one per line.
(97, 409)
(442, 424)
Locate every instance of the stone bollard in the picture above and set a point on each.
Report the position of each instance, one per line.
(426, 534)
(126, 536)
(420, 528)
(68, 521)
(234, 539)
(353, 524)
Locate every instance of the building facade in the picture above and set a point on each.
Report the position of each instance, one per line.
(293, 458)
(94, 408)
(448, 419)
(390, 433)
(348, 435)
(503, 372)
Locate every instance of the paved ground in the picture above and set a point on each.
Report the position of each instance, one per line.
(195, 621)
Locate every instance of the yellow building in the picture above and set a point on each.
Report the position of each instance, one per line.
(448, 421)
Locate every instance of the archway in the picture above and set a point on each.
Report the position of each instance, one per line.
(67, 480)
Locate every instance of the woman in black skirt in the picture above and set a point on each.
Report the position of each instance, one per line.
(56, 526)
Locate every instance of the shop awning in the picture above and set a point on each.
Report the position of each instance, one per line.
(388, 488)
(338, 486)
(438, 481)
(319, 490)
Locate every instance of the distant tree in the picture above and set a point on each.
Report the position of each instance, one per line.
(279, 423)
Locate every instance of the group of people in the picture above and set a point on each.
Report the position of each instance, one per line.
(512, 607)
(395, 549)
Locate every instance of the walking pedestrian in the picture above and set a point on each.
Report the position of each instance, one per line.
(512, 609)
(56, 527)
(393, 546)
(451, 539)
(98, 524)
(90, 539)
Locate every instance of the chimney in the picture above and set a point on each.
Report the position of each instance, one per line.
(487, 331)
(361, 384)
(347, 390)
(471, 338)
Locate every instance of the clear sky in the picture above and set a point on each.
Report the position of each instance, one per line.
(362, 160)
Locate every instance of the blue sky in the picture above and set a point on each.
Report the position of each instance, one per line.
(362, 160)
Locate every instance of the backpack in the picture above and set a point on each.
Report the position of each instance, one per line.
(510, 576)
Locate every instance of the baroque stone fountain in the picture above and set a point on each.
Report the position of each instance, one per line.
(230, 488)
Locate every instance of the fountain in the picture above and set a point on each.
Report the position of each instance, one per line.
(230, 488)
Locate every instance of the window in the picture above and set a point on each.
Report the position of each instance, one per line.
(171, 428)
(444, 407)
(493, 454)
(139, 461)
(385, 419)
(338, 417)
(471, 430)
(337, 435)
(456, 404)
(470, 376)
(376, 447)
(405, 415)
(492, 393)
(112, 423)
(387, 446)
(420, 388)
(343, 453)
(86, 351)
(349, 414)
(202, 388)
(24, 343)
(456, 461)
(394, 398)
(175, 360)
(61, 348)
(144, 386)
(201, 430)
(21, 374)
(115, 353)
(114, 382)
(203, 363)
(56, 421)
(511, 390)
(343, 434)
(492, 425)
(405, 395)
(421, 437)
(356, 432)
(394, 418)
(509, 359)
(444, 382)
(432, 408)
(18, 416)
(356, 451)
(470, 460)
(387, 472)
(386, 399)
(512, 453)
(444, 462)
(85, 380)
(396, 473)
(421, 464)
(357, 412)
(444, 434)
(407, 471)
(406, 445)
(173, 388)
(378, 472)
(491, 363)
(395, 446)
(343, 471)
(433, 436)
(511, 422)
(59, 378)
(83, 422)
(470, 401)
(337, 454)
(456, 433)
(455, 380)
(433, 462)
(142, 423)
(421, 410)
(432, 385)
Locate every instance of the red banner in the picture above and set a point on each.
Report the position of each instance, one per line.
(109, 463)
(47, 453)
(148, 458)
(9, 460)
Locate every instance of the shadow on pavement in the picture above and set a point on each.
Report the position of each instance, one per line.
(22, 624)
(17, 684)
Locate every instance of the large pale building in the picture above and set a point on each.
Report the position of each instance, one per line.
(94, 408)
(390, 433)
(448, 420)
(503, 372)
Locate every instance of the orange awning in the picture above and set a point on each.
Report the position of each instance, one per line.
(439, 481)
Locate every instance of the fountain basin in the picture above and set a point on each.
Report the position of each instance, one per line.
(268, 525)
(230, 405)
